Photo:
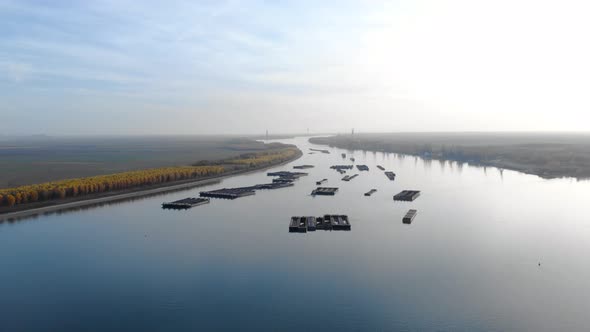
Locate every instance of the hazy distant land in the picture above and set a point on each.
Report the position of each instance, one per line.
(549, 155)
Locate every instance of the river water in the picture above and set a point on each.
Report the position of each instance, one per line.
(469, 261)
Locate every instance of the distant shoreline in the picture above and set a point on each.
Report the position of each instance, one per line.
(95, 199)
(539, 158)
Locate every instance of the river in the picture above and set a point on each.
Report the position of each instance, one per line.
(488, 250)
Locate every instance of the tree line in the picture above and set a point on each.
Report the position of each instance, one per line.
(103, 183)
(62, 189)
(264, 158)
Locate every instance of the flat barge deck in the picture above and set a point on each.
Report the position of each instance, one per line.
(349, 177)
(370, 192)
(329, 222)
(338, 222)
(274, 185)
(324, 191)
(362, 167)
(321, 181)
(186, 203)
(341, 167)
(228, 193)
(407, 195)
(298, 225)
(283, 180)
(287, 174)
(303, 166)
(390, 175)
(409, 217)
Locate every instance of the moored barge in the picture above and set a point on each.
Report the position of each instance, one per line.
(321, 181)
(390, 175)
(409, 217)
(370, 192)
(336, 222)
(407, 195)
(325, 191)
(186, 203)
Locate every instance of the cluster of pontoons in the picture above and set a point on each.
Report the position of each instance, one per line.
(281, 179)
(284, 179)
(329, 222)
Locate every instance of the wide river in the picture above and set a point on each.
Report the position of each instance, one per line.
(488, 251)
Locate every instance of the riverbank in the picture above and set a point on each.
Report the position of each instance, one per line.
(546, 155)
(39, 208)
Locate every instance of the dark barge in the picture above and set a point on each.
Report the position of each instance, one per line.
(341, 167)
(409, 217)
(321, 181)
(407, 195)
(323, 224)
(324, 191)
(287, 174)
(338, 222)
(328, 222)
(283, 180)
(390, 175)
(303, 166)
(298, 225)
(349, 177)
(228, 193)
(381, 167)
(370, 192)
(362, 167)
(274, 185)
(186, 203)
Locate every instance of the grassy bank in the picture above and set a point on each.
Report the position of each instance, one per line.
(543, 154)
(57, 192)
(31, 160)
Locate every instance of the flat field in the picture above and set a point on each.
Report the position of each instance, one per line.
(32, 160)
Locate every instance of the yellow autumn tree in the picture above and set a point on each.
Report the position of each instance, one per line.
(130, 180)
(10, 200)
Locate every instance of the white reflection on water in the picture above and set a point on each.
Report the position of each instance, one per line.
(469, 261)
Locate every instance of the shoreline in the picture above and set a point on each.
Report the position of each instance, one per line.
(121, 196)
(506, 165)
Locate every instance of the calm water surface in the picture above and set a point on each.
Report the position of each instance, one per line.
(469, 261)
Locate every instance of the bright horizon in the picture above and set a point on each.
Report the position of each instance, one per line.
(114, 68)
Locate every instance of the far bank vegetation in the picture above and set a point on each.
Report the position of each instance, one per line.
(547, 155)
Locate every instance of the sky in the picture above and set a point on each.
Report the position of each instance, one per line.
(242, 67)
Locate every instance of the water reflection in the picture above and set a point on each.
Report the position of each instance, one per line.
(469, 260)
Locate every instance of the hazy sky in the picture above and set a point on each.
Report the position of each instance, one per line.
(198, 67)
